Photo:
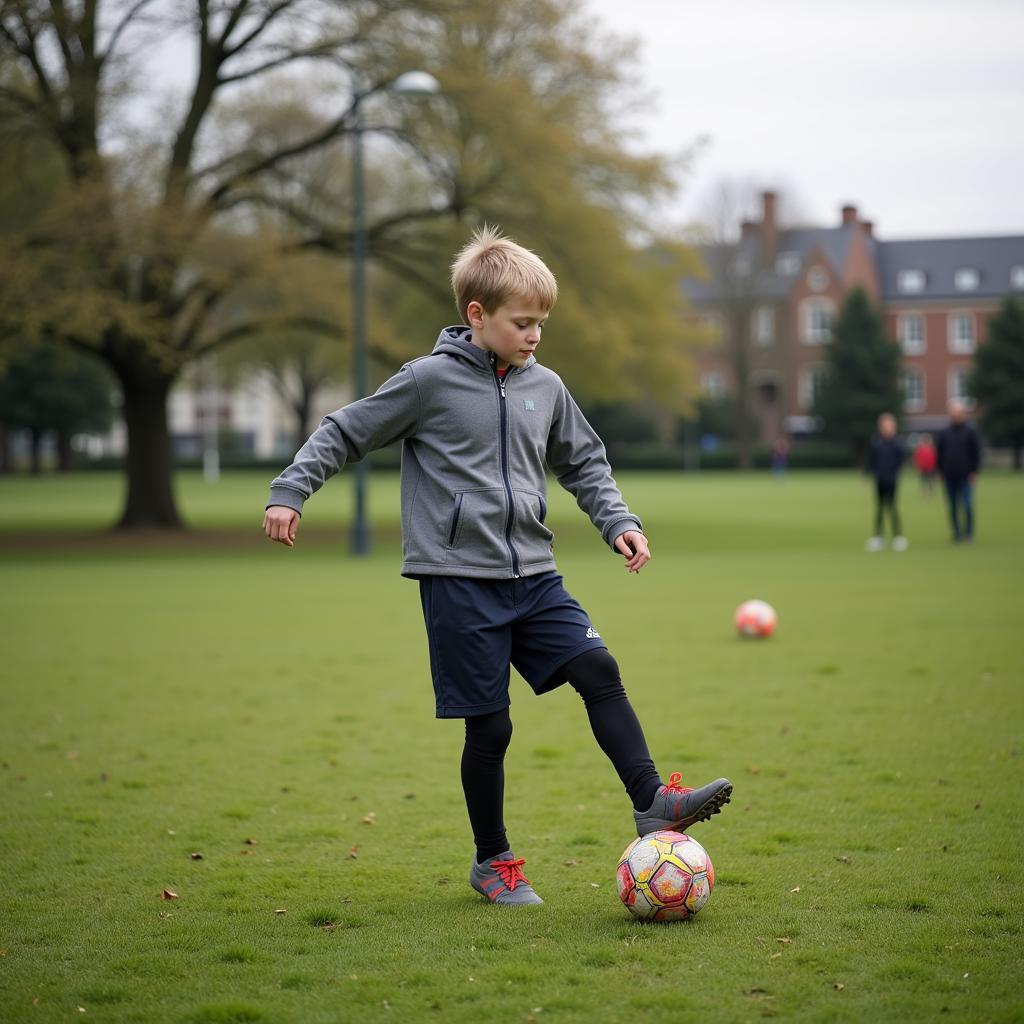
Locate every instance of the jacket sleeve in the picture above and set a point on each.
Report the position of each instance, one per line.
(348, 435)
(577, 457)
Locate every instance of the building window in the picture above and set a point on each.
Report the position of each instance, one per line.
(911, 328)
(961, 333)
(910, 281)
(913, 389)
(1017, 278)
(817, 280)
(966, 279)
(809, 386)
(787, 264)
(816, 320)
(712, 383)
(957, 387)
(764, 326)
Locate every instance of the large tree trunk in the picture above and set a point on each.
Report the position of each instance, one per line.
(150, 501)
(5, 450)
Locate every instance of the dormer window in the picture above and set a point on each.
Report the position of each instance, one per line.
(910, 281)
(1017, 278)
(966, 279)
(787, 264)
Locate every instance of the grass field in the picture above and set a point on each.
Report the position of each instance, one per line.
(271, 711)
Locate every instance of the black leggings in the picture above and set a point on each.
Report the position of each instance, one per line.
(595, 677)
(886, 498)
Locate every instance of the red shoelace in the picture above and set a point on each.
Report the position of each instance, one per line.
(509, 873)
(673, 784)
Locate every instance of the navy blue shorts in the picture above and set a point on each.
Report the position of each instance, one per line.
(477, 628)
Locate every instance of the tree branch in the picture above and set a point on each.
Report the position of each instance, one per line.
(257, 30)
(122, 26)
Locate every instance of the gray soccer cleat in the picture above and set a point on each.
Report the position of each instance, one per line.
(675, 808)
(501, 880)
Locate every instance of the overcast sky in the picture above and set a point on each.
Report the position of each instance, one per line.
(913, 110)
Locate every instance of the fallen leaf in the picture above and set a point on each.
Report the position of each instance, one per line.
(839, 986)
(371, 818)
(353, 851)
(72, 755)
(252, 842)
(843, 859)
(164, 914)
(795, 889)
(104, 777)
(168, 895)
(196, 856)
(246, 853)
(171, 832)
(410, 796)
(570, 863)
(442, 881)
(754, 769)
(594, 885)
(775, 956)
(280, 910)
(784, 941)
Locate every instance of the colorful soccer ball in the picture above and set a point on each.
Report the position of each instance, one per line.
(664, 876)
(756, 618)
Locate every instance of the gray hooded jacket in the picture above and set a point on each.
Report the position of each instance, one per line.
(474, 450)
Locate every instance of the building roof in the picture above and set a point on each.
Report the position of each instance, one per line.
(940, 258)
(767, 283)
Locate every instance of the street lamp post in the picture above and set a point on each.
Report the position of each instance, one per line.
(412, 83)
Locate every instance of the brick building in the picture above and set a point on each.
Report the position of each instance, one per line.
(777, 291)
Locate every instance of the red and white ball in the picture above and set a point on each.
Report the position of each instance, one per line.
(756, 618)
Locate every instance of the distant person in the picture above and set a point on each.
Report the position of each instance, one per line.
(885, 459)
(959, 459)
(926, 460)
(780, 456)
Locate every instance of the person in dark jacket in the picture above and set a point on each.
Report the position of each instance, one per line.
(959, 459)
(885, 459)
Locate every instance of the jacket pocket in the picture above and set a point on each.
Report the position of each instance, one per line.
(532, 538)
(476, 528)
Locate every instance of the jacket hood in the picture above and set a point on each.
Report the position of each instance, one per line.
(454, 341)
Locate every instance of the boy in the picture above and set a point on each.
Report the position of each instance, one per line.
(885, 457)
(479, 418)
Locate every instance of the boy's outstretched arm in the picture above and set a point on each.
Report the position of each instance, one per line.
(636, 549)
(281, 523)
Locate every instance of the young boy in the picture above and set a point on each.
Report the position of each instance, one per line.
(885, 457)
(480, 419)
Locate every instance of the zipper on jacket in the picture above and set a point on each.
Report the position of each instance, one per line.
(503, 442)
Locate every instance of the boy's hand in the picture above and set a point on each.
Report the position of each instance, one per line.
(280, 523)
(633, 545)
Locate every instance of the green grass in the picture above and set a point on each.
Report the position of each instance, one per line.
(163, 698)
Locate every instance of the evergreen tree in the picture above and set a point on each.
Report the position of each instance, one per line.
(862, 375)
(46, 388)
(998, 378)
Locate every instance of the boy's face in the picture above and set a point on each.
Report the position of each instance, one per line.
(887, 426)
(511, 332)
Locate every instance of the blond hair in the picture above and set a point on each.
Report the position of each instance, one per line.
(490, 269)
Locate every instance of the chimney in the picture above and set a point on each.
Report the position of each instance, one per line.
(849, 214)
(747, 228)
(869, 227)
(769, 227)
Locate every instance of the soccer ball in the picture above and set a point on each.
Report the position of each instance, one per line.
(756, 618)
(664, 876)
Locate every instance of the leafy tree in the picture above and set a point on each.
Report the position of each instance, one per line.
(862, 375)
(158, 247)
(47, 388)
(998, 378)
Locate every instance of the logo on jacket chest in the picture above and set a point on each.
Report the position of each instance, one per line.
(528, 404)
